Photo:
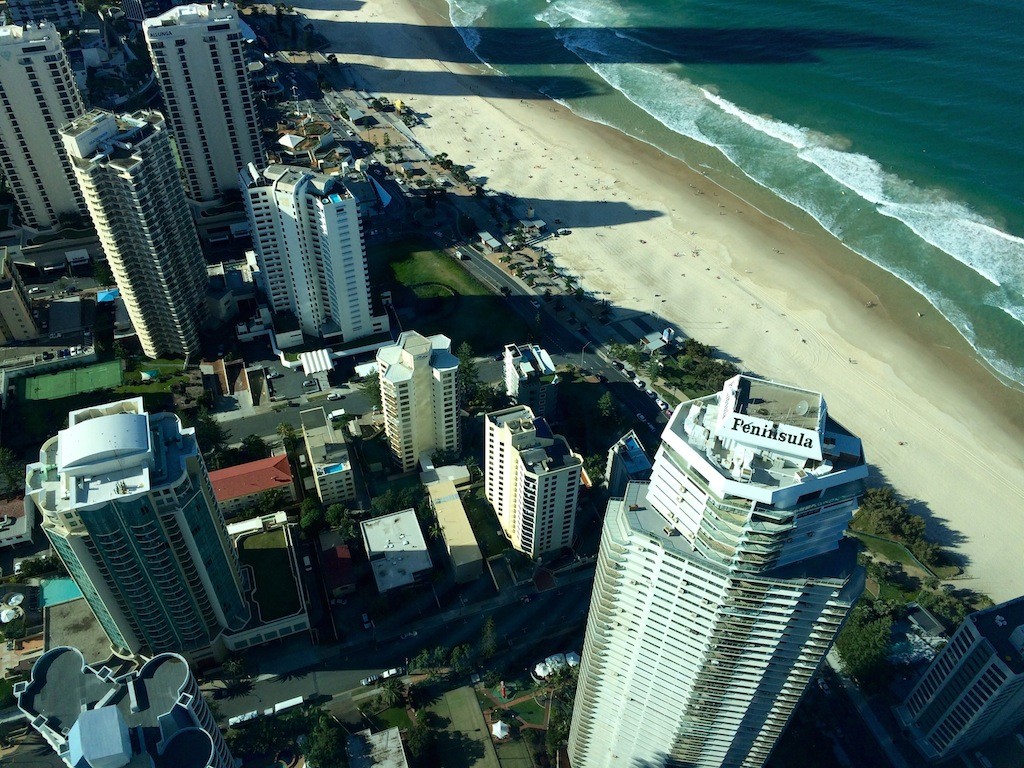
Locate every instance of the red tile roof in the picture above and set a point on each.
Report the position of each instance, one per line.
(14, 508)
(254, 477)
(337, 567)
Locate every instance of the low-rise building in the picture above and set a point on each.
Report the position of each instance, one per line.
(16, 522)
(376, 750)
(628, 462)
(239, 487)
(155, 715)
(396, 549)
(974, 689)
(459, 540)
(531, 378)
(333, 476)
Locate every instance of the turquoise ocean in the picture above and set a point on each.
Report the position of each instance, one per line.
(897, 126)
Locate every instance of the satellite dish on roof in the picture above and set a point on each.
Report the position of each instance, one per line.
(802, 407)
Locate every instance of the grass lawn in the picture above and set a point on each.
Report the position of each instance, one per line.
(392, 717)
(531, 712)
(463, 739)
(276, 592)
(485, 523)
(445, 296)
(890, 550)
(513, 754)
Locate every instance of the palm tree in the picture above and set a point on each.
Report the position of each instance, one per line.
(391, 691)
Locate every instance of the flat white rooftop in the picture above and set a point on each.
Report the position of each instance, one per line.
(396, 549)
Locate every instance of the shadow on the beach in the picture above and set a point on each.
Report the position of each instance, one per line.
(589, 214)
(616, 45)
(938, 529)
(452, 84)
(331, 5)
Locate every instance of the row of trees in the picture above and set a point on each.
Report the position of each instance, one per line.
(324, 744)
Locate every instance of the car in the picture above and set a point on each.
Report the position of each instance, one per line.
(306, 563)
(72, 289)
(409, 635)
(54, 335)
(661, 404)
(505, 290)
(393, 672)
(564, 231)
(536, 304)
(369, 680)
(618, 365)
(639, 383)
(17, 566)
(366, 621)
(628, 373)
(335, 396)
(642, 418)
(652, 394)
(525, 599)
(274, 374)
(47, 355)
(37, 289)
(309, 383)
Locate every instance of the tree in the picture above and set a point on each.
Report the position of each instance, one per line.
(462, 658)
(255, 447)
(421, 738)
(594, 465)
(390, 692)
(311, 516)
(606, 406)
(211, 436)
(325, 745)
(289, 437)
(234, 667)
(370, 386)
(468, 376)
(863, 644)
(269, 502)
(12, 472)
(488, 640)
(335, 514)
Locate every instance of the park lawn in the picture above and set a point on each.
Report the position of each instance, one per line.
(275, 590)
(531, 712)
(460, 306)
(891, 550)
(485, 524)
(513, 753)
(463, 739)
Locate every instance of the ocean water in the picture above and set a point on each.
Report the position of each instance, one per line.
(897, 126)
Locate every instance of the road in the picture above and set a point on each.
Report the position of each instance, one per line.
(552, 622)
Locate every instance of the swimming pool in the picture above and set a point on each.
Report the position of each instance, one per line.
(57, 591)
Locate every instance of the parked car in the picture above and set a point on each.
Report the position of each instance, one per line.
(370, 680)
(639, 383)
(642, 418)
(335, 396)
(309, 383)
(409, 635)
(393, 672)
(37, 289)
(366, 621)
(536, 304)
(274, 374)
(618, 365)
(628, 373)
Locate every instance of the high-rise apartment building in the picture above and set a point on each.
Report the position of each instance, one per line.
(140, 10)
(64, 14)
(419, 397)
(627, 462)
(152, 716)
(127, 504)
(126, 168)
(721, 584)
(197, 53)
(531, 378)
(532, 479)
(16, 321)
(309, 246)
(38, 95)
(974, 689)
(333, 474)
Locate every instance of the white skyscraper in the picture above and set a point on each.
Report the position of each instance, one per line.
(419, 397)
(38, 95)
(198, 60)
(125, 166)
(721, 584)
(309, 245)
(127, 504)
(532, 479)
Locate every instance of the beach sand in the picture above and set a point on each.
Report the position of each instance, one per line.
(788, 303)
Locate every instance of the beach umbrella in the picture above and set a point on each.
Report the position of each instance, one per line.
(500, 730)
(16, 599)
(7, 615)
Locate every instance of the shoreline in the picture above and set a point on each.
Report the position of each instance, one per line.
(936, 423)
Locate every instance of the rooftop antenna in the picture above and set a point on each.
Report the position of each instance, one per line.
(295, 95)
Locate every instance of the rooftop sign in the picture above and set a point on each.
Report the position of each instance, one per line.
(782, 438)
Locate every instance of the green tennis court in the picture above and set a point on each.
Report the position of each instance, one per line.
(74, 381)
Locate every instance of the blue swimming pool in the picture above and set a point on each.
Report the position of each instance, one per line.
(57, 591)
